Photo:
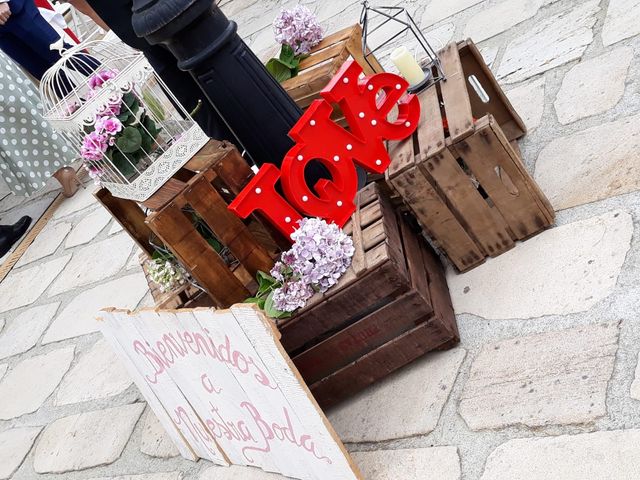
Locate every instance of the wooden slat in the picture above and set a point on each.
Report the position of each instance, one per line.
(436, 217)
(379, 363)
(207, 156)
(499, 105)
(323, 55)
(337, 37)
(354, 47)
(455, 95)
(177, 232)
(164, 194)
(471, 210)
(430, 132)
(336, 311)
(356, 340)
(130, 216)
(358, 261)
(487, 158)
(227, 227)
(538, 195)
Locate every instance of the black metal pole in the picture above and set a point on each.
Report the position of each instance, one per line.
(206, 43)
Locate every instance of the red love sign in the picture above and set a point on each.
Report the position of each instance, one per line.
(367, 103)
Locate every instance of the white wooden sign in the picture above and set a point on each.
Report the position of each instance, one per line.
(224, 389)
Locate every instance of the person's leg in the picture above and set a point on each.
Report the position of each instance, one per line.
(27, 38)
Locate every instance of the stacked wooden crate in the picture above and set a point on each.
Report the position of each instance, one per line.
(203, 187)
(324, 61)
(391, 307)
(461, 173)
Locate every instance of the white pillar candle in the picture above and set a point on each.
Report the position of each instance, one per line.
(407, 65)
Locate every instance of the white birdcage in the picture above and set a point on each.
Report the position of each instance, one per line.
(129, 129)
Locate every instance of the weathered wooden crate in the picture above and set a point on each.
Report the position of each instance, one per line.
(391, 307)
(461, 173)
(204, 187)
(324, 61)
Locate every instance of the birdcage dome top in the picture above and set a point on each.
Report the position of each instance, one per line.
(78, 85)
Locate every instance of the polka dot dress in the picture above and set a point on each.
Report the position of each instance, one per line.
(30, 151)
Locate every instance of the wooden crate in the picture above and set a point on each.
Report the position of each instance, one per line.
(461, 173)
(391, 307)
(324, 61)
(205, 185)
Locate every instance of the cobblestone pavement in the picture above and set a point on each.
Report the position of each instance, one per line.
(543, 384)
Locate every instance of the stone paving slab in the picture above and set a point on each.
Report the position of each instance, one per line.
(528, 100)
(25, 286)
(593, 86)
(594, 456)
(605, 163)
(238, 473)
(145, 476)
(94, 263)
(78, 318)
(550, 43)
(155, 442)
(14, 447)
(88, 228)
(85, 440)
(98, 374)
(589, 253)
(438, 10)
(622, 21)
(502, 16)
(559, 377)
(3, 369)
(407, 403)
(441, 463)
(29, 383)
(635, 386)
(81, 200)
(24, 331)
(46, 243)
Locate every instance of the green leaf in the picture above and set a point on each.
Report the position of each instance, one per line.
(129, 140)
(154, 105)
(269, 309)
(286, 54)
(252, 300)
(122, 164)
(215, 244)
(280, 71)
(261, 302)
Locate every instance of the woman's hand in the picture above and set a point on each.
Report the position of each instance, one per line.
(5, 12)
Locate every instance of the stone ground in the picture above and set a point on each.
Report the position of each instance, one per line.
(543, 384)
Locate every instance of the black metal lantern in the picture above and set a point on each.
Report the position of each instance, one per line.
(393, 25)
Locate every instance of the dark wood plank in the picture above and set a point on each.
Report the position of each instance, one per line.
(455, 95)
(438, 220)
(471, 210)
(493, 166)
(227, 227)
(164, 194)
(207, 156)
(178, 234)
(356, 340)
(380, 363)
(430, 133)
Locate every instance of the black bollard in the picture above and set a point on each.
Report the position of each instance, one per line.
(206, 43)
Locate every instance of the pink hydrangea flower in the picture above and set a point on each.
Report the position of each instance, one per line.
(108, 125)
(298, 28)
(93, 146)
(97, 79)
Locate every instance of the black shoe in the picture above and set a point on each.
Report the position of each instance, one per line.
(10, 234)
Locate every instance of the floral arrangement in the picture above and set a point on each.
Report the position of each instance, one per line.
(123, 131)
(320, 255)
(298, 31)
(166, 272)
